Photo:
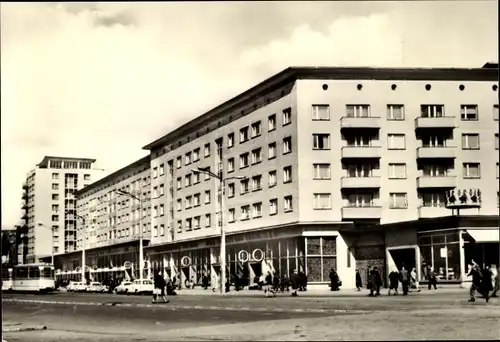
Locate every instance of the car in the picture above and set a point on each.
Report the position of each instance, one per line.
(80, 287)
(72, 286)
(123, 287)
(96, 287)
(146, 287)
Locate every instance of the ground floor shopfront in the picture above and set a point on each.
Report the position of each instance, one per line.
(312, 249)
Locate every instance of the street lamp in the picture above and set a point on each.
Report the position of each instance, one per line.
(141, 246)
(222, 231)
(83, 244)
(40, 224)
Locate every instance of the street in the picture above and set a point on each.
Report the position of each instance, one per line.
(105, 317)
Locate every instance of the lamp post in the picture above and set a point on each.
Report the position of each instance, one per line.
(222, 230)
(83, 245)
(52, 241)
(141, 246)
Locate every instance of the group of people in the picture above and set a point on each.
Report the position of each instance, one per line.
(484, 280)
(407, 279)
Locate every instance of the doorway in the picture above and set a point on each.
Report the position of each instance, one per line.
(403, 257)
(255, 271)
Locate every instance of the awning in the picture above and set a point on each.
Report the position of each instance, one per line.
(484, 235)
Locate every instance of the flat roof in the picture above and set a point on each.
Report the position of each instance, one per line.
(328, 73)
(45, 160)
(118, 173)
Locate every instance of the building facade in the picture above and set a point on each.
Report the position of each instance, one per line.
(50, 204)
(310, 156)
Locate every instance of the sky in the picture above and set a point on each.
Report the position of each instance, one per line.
(101, 80)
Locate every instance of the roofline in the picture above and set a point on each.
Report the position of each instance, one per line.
(46, 159)
(291, 74)
(119, 172)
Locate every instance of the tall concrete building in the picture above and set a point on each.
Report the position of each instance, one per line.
(50, 204)
(327, 168)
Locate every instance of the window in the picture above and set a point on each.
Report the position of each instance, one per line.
(162, 229)
(55, 186)
(288, 204)
(495, 112)
(396, 142)
(321, 171)
(256, 129)
(230, 165)
(196, 200)
(272, 178)
(287, 116)
(55, 217)
(287, 145)
(196, 222)
(196, 154)
(155, 231)
(155, 172)
(189, 224)
(359, 140)
(230, 190)
(498, 171)
(468, 112)
(207, 176)
(433, 199)
(189, 200)
(496, 141)
(179, 226)
(244, 160)
(322, 201)
(287, 174)
(432, 111)
(358, 111)
(208, 220)
(55, 176)
(256, 183)
(232, 214)
(321, 112)
(359, 170)
(243, 134)
(321, 141)
(55, 207)
(179, 183)
(272, 150)
(188, 158)
(187, 180)
(395, 112)
(398, 200)
(86, 177)
(360, 200)
(162, 169)
(433, 141)
(271, 122)
(155, 211)
(244, 186)
(230, 140)
(206, 152)
(162, 210)
(273, 206)
(434, 170)
(257, 210)
(245, 212)
(196, 177)
(397, 171)
(256, 156)
(471, 170)
(470, 141)
(207, 196)
(55, 197)
(179, 162)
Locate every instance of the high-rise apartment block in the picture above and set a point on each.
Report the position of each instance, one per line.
(50, 204)
(322, 168)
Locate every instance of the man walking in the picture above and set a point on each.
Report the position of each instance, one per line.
(393, 282)
(414, 279)
(475, 273)
(159, 289)
(405, 280)
(431, 276)
(375, 282)
(495, 274)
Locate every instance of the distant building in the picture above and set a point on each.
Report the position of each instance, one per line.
(49, 200)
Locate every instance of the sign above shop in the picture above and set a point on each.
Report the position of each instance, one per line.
(465, 198)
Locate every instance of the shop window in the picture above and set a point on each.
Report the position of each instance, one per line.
(321, 258)
(313, 246)
(442, 253)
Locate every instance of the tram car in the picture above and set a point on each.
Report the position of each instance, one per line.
(33, 278)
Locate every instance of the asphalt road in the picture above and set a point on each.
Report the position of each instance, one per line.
(437, 316)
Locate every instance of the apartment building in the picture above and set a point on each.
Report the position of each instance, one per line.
(111, 222)
(50, 206)
(320, 168)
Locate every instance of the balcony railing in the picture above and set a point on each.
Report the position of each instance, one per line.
(355, 152)
(430, 212)
(368, 122)
(437, 182)
(25, 186)
(436, 152)
(354, 212)
(436, 122)
(359, 182)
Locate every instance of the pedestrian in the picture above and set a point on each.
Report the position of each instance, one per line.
(269, 286)
(495, 272)
(261, 281)
(475, 273)
(334, 280)
(159, 288)
(359, 283)
(486, 283)
(205, 281)
(393, 281)
(376, 282)
(405, 280)
(414, 279)
(302, 281)
(294, 281)
(431, 276)
(276, 282)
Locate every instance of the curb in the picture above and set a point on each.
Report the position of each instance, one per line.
(186, 307)
(35, 328)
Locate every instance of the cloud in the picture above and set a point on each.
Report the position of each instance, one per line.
(103, 79)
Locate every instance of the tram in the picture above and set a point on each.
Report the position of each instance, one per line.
(7, 278)
(33, 277)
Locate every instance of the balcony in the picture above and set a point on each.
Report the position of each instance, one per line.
(360, 182)
(25, 186)
(357, 152)
(436, 152)
(444, 122)
(25, 196)
(348, 122)
(356, 213)
(430, 212)
(437, 182)
(24, 206)
(25, 216)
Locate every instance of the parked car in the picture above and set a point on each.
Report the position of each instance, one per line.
(80, 287)
(146, 287)
(96, 287)
(72, 286)
(123, 287)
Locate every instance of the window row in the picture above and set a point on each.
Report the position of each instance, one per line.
(397, 112)
(254, 211)
(323, 201)
(193, 200)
